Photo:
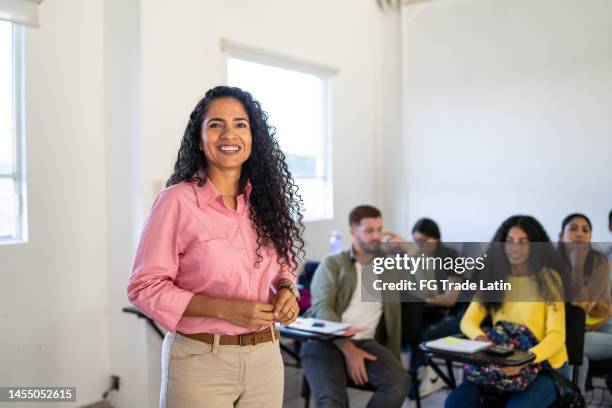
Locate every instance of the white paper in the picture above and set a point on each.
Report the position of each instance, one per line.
(329, 327)
(458, 345)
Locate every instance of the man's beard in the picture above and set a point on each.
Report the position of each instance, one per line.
(371, 248)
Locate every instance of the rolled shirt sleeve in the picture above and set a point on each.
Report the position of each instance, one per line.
(151, 286)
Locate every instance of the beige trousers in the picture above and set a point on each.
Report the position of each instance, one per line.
(196, 374)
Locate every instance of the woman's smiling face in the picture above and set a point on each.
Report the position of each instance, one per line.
(517, 246)
(226, 134)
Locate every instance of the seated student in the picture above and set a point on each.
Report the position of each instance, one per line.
(443, 313)
(590, 288)
(530, 269)
(372, 355)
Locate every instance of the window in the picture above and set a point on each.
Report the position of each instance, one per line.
(12, 181)
(297, 103)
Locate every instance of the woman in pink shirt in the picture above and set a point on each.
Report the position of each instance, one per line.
(216, 260)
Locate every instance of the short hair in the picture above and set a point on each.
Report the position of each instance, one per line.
(363, 211)
(427, 227)
(610, 218)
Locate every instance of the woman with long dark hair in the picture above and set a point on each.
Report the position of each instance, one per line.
(217, 257)
(521, 253)
(589, 287)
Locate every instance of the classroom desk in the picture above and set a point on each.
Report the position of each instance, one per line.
(303, 335)
(517, 358)
(300, 336)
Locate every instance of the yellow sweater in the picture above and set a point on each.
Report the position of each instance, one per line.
(545, 320)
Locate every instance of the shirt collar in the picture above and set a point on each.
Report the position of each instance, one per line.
(208, 192)
(352, 254)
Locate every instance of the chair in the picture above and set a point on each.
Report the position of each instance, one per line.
(305, 278)
(574, 337)
(412, 324)
(303, 284)
(413, 312)
(574, 341)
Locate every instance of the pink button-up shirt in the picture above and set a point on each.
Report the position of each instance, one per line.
(193, 242)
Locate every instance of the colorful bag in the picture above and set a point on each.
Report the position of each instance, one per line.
(516, 337)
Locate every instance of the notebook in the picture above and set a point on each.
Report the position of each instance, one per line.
(318, 325)
(458, 345)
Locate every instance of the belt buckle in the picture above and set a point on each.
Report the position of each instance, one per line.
(241, 342)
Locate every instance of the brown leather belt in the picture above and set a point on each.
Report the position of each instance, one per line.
(247, 339)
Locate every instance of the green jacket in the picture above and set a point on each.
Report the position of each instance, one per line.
(331, 290)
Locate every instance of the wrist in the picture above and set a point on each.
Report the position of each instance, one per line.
(284, 283)
(219, 308)
(347, 347)
(290, 286)
(283, 289)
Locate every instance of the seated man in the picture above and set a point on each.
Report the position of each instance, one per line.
(372, 355)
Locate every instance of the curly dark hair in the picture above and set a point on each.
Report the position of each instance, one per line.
(275, 205)
(541, 255)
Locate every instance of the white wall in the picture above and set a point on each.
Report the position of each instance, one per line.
(182, 58)
(53, 296)
(131, 357)
(507, 110)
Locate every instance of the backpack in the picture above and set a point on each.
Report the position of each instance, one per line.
(517, 337)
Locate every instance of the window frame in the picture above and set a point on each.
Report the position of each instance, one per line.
(255, 55)
(18, 173)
